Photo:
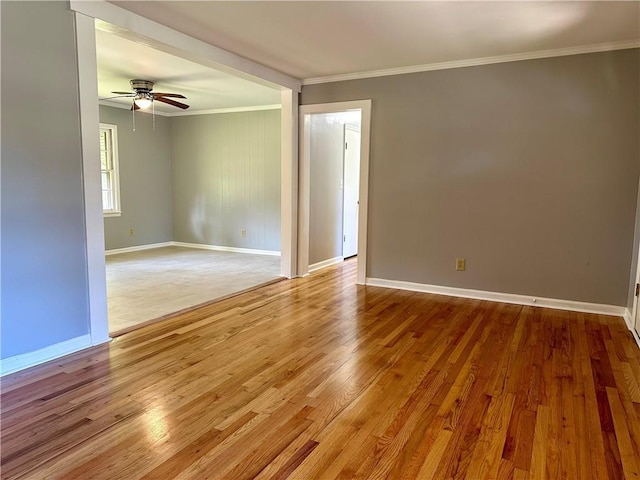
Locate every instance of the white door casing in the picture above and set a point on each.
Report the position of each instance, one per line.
(304, 180)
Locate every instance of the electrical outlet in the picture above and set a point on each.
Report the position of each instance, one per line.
(243, 232)
(460, 264)
(131, 232)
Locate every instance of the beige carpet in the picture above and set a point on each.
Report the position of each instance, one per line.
(145, 285)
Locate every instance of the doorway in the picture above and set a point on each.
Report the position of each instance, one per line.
(88, 16)
(322, 194)
(200, 187)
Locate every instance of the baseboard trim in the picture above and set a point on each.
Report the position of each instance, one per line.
(570, 305)
(138, 248)
(629, 321)
(202, 246)
(52, 352)
(325, 263)
(226, 249)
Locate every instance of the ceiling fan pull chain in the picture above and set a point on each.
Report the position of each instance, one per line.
(133, 116)
(153, 114)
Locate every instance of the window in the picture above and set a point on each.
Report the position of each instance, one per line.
(109, 170)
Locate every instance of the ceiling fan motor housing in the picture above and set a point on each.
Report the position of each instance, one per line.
(142, 86)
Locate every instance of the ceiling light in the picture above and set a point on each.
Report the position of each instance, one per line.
(143, 100)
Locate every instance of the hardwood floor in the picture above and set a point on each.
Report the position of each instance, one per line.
(317, 378)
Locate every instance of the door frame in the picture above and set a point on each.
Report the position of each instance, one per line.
(304, 175)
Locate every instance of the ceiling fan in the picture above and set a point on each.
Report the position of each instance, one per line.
(143, 95)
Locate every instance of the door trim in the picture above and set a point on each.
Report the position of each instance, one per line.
(305, 180)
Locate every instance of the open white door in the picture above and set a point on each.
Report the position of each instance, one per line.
(351, 191)
(636, 319)
(636, 307)
(635, 313)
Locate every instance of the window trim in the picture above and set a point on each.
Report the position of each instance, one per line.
(117, 210)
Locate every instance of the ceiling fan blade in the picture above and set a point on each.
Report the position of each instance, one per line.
(124, 93)
(118, 96)
(134, 106)
(174, 95)
(172, 102)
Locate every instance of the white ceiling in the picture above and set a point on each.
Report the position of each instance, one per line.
(308, 39)
(120, 60)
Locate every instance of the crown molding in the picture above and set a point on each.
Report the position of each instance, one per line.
(473, 62)
(253, 108)
(107, 103)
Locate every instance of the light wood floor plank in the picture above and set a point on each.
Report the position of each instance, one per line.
(317, 378)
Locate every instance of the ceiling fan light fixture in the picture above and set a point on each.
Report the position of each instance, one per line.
(143, 100)
(144, 97)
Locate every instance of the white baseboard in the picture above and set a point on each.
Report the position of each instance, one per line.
(31, 359)
(502, 297)
(138, 248)
(226, 249)
(629, 321)
(203, 246)
(325, 263)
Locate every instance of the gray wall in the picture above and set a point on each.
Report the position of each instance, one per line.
(145, 180)
(44, 271)
(528, 169)
(325, 193)
(226, 177)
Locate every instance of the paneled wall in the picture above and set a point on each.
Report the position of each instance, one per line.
(226, 179)
(197, 179)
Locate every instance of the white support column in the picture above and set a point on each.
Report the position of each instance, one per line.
(304, 193)
(289, 183)
(94, 226)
